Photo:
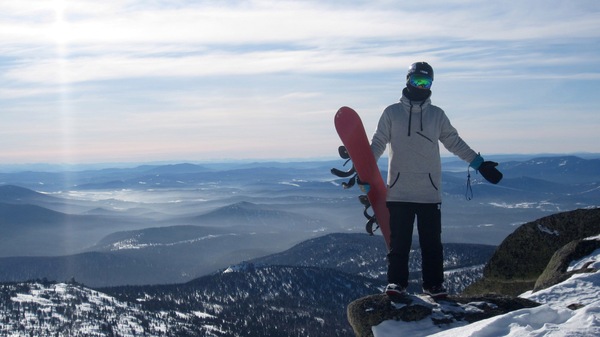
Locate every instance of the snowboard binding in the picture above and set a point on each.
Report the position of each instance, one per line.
(354, 179)
(345, 174)
(371, 219)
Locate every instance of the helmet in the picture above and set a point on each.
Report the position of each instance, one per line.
(422, 68)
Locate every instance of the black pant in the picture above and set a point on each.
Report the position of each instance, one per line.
(429, 225)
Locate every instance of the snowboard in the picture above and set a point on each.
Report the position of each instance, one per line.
(350, 128)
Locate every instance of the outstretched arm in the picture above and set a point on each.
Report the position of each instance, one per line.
(452, 141)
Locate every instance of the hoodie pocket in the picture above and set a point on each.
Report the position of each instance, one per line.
(413, 183)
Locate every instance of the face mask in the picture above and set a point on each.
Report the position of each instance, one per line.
(415, 94)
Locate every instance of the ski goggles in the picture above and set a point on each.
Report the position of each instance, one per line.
(420, 81)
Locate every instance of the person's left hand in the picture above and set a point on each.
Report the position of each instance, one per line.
(489, 171)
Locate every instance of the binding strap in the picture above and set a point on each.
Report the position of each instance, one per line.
(371, 219)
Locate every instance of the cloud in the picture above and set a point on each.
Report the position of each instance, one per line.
(125, 39)
(138, 76)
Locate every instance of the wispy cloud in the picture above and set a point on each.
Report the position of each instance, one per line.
(173, 72)
(134, 39)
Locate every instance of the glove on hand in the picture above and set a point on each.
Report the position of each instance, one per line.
(489, 172)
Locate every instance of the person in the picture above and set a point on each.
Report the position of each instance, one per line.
(412, 129)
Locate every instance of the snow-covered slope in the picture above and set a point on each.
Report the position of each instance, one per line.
(569, 309)
(274, 301)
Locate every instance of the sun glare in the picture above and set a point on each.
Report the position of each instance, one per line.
(60, 29)
(60, 32)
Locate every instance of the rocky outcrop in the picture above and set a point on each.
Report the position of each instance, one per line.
(523, 255)
(370, 311)
(543, 247)
(558, 271)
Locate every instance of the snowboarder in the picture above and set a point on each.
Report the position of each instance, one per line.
(412, 128)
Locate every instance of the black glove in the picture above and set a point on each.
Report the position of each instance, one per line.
(489, 172)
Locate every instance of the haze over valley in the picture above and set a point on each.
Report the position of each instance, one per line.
(157, 224)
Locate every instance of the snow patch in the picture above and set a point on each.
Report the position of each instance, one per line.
(132, 243)
(547, 230)
(201, 314)
(590, 261)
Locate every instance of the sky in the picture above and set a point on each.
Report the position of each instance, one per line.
(138, 81)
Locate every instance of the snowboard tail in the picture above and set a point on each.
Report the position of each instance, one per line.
(350, 128)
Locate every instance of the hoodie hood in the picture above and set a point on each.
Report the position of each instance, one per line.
(416, 107)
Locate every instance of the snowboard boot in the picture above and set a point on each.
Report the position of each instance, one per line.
(394, 291)
(436, 292)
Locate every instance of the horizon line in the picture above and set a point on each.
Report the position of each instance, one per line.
(16, 167)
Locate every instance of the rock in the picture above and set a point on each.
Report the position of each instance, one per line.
(370, 311)
(534, 249)
(523, 255)
(556, 271)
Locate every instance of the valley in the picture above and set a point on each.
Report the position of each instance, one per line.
(165, 224)
(253, 249)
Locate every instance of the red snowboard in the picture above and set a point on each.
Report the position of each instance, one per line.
(352, 133)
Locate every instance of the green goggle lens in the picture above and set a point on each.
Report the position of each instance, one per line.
(420, 81)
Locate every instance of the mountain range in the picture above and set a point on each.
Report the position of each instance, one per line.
(267, 301)
(300, 292)
(257, 249)
(157, 224)
(253, 299)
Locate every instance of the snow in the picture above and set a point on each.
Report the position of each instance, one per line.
(201, 314)
(540, 205)
(554, 318)
(132, 243)
(46, 308)
(547, 230)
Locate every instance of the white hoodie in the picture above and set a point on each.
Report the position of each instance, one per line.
(413, 129)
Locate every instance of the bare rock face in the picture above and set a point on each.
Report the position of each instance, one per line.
(523, 255)
(370, 311)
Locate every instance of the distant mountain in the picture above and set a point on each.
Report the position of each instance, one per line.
(31, 230)
(34, 230)
(12, 194)
(253, 209)
(59, 202)
(17, 194)
(564, 169)
(358, 254)
(93, 269)
(159, 236)
(19, 217)
(180, 253)
(158, 255)
(260, 217)
(172, 176)
(178, 169)
(559, 169)
(566, 180)
(365, 255)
